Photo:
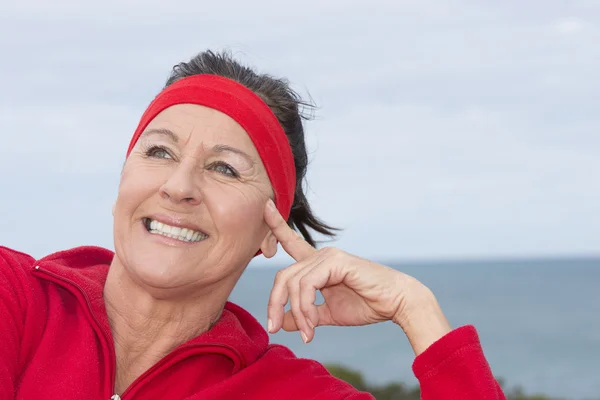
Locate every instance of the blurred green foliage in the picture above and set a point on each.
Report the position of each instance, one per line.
(399, 391)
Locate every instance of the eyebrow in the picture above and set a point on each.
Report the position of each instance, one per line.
(162, 131)
(223, 148)
(219, 148)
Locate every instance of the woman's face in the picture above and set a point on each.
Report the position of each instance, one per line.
(189, 211)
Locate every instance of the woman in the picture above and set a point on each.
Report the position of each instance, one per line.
(213, 177)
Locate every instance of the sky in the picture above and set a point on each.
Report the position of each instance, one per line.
(444, 129)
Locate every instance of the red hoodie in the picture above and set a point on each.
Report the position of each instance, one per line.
(56, 343)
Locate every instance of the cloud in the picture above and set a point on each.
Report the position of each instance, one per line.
(570, 26)
(444, 129)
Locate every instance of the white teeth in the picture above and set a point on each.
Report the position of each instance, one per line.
(183, 234)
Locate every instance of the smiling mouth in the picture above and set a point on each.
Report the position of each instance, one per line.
(174, 232)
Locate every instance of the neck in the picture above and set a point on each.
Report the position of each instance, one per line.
(146, 328)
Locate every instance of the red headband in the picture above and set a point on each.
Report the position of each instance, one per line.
(248, 110)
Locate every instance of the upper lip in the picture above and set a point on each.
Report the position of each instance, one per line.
(176, 221)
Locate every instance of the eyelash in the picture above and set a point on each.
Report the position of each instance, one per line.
(231, 172)
(151, 151)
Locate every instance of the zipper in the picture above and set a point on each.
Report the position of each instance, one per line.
(171, 358)
(103, 334)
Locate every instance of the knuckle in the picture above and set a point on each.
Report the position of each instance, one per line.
(297, 237)
(275, 309)
(297, 318)
(293, 285)
(334, 252)
(329, 252)
(304, 283)
(293, 238)
(276, 301)
(295, 307)
(305, 308)
(280, 276)
(280, 224)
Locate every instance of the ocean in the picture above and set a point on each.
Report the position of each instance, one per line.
(538, 320)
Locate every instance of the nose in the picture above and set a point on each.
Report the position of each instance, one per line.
(181, 186)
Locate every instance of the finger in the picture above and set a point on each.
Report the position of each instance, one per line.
(291, 242)
(289, 323)
(277, 301)
(303, 295)
(323, 274)
(315, 279)
(279, 296)
(306, 332)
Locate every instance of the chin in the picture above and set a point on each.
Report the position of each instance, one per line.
(160, 263)
(158, 272)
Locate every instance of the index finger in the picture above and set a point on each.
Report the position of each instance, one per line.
(290, 240)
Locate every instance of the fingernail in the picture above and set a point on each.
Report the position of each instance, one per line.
(271, 205)
(304, 337)
(269, 326)
(310, 324)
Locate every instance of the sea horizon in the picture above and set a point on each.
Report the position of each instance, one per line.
(537, 320)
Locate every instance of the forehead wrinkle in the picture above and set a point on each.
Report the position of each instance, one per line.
(188, 138)
(198, 152)
(210, 127)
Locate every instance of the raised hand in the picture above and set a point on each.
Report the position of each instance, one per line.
(356, 292)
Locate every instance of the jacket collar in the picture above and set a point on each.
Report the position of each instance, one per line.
(83, 271)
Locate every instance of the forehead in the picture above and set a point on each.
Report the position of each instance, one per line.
(195, 124)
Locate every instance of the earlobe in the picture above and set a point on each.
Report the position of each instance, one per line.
(269, 245)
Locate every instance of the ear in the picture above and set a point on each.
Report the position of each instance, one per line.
(269, 245)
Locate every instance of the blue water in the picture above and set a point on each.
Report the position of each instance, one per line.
(539, 323)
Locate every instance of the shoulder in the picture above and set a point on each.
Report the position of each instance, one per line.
(15, 269)
(17, 288)
(11, 257)
(304, 378)
(14, 262)
(26, 297)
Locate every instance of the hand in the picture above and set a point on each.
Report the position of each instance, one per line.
(356, 292)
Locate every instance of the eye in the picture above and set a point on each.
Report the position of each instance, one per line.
(158, 152)
(224, 168)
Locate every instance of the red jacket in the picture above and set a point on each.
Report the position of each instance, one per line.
(56, 343)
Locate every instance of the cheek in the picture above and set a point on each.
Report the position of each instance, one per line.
(136, 185)
(236, 210)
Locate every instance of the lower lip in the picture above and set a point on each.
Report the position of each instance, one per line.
(167, 240)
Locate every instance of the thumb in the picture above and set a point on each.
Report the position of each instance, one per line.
(324, 318)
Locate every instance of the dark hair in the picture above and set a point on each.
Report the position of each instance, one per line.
(287, 106)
